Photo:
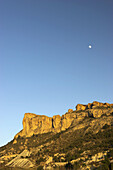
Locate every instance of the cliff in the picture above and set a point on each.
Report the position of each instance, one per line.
(82, 137)
(38, 124)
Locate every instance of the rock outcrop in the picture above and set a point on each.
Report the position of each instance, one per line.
(70, 110)
(92, 105)
(81, 107)
(38, 124)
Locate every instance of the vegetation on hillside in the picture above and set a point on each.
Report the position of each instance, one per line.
(66, 146)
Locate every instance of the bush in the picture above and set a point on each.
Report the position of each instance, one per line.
(69, 166)
(103, 167)
(22, 156)
(110, 154)
(40, 168)
(76, 165)
(56, 159)
(105, 163)
(106, 126)
(69, 157)
(40, 160)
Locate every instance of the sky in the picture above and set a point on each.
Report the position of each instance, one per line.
(46, 65)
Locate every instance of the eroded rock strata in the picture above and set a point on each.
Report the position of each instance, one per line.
(39, 124)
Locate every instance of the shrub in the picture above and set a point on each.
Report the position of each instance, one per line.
(70, 157)
(22, 156)
(40, 160)
(106, 126)
(69, 166)
(76, 165)
(56, 159)
(40, 168)
(105, 163)
(110, 154)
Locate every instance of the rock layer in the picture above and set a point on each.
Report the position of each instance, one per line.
(38, 124)
(21, 161)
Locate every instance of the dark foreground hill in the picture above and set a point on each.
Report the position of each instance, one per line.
(80, 139)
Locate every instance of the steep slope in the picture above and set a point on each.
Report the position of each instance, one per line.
(84, 137)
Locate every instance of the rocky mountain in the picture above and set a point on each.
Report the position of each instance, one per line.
(79, 139)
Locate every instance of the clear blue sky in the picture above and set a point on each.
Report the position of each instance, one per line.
(46, 66)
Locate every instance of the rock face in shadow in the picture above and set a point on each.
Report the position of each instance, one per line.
(39, 124)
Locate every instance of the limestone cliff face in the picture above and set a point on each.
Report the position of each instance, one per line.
(56, 123)
(35, 124)
(39, 124)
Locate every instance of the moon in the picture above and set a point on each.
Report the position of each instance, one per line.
(90, 46)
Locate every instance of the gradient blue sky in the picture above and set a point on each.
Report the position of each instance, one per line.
(46, 66)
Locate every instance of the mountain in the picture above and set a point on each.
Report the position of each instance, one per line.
(79, 139)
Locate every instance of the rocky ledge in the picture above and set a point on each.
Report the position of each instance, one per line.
(38, 124)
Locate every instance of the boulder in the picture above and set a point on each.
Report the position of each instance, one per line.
(70, 110)
(81, 107)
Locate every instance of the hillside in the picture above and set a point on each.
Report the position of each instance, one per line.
(79, 139)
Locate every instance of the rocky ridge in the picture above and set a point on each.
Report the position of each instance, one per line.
(38, 124)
